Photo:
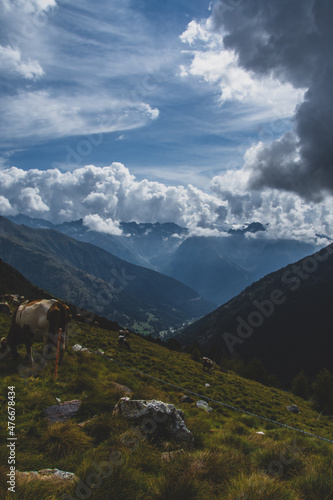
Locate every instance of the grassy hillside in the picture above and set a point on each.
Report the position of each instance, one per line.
(12, 281)
(229, 459)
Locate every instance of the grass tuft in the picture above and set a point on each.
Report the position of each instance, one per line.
(64, 438)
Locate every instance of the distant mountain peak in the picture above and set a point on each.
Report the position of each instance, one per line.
(253, 227)
(165, 229)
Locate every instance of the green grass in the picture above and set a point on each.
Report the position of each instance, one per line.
(229, 459)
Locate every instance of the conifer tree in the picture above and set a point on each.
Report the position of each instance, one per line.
(300, 385)
(323, 391)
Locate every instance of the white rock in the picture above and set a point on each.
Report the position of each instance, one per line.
(76, 347)
(204, 406)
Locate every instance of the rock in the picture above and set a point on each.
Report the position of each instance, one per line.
(47, 475)
(169, 456)
(156, 419)
(122, 388)
(293, 409)
(204, 406)
(83, 424)
(77, 347)
(63, 411)
(186, 399)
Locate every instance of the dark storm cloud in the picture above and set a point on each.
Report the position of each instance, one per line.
(292, 41)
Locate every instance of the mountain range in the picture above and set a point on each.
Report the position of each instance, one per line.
(218, 267)
(93, 279)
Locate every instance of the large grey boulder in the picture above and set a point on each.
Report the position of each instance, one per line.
(156, 419)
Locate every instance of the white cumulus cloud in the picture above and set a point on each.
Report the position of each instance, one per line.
(105, 196)
(210, 60)
(11, 60)
(96, 223)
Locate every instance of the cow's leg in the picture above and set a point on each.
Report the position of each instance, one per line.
(13, 341)
(14, 352)
(62, 346)
(28, 341)
(29, 357)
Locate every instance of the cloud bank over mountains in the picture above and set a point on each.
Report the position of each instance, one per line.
(103, 197)
(254, 76)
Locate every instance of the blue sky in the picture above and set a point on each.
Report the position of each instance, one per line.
(169, 91)
(100, 62)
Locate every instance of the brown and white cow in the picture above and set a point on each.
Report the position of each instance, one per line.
(32, 319)
(207, 364)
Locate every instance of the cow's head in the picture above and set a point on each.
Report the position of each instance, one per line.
(5, 350)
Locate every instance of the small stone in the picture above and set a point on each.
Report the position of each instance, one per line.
(47, 475)
(293, 409)
(204, 406)
(62, 411)
(186, 399)
(77, 347)
(169, 456)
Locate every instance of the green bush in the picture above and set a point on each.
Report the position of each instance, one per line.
(300, 385)
(323, 391)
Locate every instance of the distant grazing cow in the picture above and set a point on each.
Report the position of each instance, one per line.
(31, 319)
(124, 333)
(4, 308)
(15, 298)
(207, 364)
(123, 342)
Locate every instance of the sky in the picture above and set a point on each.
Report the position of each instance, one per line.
(202, 113)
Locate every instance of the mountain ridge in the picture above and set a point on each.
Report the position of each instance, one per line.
(86, 275)
(218, 270)
(283, 316)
